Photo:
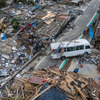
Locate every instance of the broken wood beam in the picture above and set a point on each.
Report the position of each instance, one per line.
(57, 73)
(81, 93)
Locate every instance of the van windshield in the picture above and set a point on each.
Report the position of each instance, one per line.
(87, 47)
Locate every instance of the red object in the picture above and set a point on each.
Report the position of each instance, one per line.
(30, 25)
(53, 50)
(22, 27)
(81, 65)
(44, 80)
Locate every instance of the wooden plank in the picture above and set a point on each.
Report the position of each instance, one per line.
(54, 80)
(80, 92)
(49, 14)
(1, 21)
(57, 73)
(22, 92)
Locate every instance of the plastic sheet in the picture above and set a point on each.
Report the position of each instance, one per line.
(91, 32)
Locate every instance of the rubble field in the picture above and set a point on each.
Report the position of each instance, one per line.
(26, 33)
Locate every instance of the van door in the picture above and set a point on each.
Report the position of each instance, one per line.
(70, 52)
(88, 48)
(79, 50)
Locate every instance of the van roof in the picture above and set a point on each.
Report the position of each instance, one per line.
(69, 44)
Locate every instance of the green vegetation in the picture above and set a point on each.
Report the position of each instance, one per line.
(1, 12)
(14, 23)
(61, 27)
(2, 3)
(13, 20)
(30, 2)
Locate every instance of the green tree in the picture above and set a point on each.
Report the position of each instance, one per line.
(15, 25)
(13, 20)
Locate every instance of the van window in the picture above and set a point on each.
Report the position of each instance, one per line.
(64, 49)
(87, 47)
(81, 47)
(70, 49)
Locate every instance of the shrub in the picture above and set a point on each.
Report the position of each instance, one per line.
(13, 20)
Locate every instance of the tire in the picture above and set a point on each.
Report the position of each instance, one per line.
(63, 58)
(86, 54)
(80, 55)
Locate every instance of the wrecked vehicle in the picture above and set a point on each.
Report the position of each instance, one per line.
(70, 48)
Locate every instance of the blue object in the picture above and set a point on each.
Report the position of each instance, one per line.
(37, 6)
(76, 70)
(52, 38)
(59, 50)
(44, 39)
(28, 75)
(30, 57)
(91, 32)
(36, 1)
(4, 37)
(29, 31)
(34, 23)
(14, 12)
(5, 70)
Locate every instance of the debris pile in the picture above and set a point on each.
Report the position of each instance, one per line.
(89, 59)
(38, 85)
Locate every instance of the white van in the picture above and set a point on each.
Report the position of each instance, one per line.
(70, 48)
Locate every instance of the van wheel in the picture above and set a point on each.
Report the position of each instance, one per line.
(80, 55)
(63, 58)
(86, 54)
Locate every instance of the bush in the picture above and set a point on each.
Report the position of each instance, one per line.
(13, 20)
(15, 26)
(15, 23)
(31, 2)
(2, 3)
